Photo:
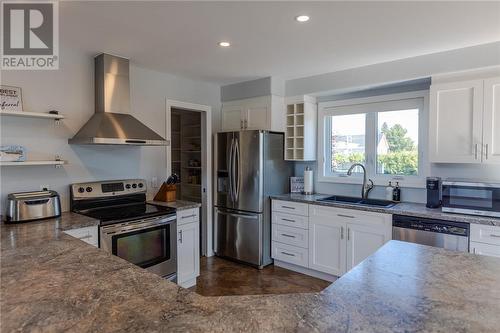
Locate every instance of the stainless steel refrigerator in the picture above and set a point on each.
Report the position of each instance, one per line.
(250, 167)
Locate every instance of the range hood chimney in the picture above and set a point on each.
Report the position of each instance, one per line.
(112, 123)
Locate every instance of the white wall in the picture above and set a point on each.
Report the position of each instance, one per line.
(70, 91)
(396, 71)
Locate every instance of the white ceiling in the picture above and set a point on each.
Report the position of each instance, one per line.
(181, 37)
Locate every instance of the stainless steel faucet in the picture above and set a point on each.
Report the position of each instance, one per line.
(366, 187)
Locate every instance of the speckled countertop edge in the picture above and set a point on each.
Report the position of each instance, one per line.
(403, 208)
(178, 205)
(52, 282)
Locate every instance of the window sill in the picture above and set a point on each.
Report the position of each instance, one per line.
(378, 181)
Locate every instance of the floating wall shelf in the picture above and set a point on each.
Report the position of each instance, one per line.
(33, 163)
(32, 115)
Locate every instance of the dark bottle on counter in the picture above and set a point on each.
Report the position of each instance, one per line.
(396, 193)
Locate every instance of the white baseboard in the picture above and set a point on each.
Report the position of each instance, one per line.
(306, 271)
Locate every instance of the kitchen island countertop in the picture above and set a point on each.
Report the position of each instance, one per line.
(52, 282)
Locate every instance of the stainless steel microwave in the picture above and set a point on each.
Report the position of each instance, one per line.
(471, 197)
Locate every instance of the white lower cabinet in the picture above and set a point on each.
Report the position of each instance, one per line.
(87, 234)
(337, 239)
(188, 248)
(342, 238)
(485, 249)
(327, 243)
(485, 240)
(364, 240)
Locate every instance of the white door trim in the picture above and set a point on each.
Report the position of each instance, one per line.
(206, 119)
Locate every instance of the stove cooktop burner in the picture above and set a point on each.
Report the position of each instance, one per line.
(122, 213)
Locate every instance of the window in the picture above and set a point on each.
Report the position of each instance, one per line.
(347, 141)
(383, 133)
(397, 142)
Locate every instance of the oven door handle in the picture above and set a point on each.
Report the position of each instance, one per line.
(116, 230)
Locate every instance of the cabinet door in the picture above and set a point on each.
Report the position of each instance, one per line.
(327, 243)
(491, 121)
(455, 132)
(257, 115)
(485, 249)
(232, 117)
(363, 241)
(188, 252)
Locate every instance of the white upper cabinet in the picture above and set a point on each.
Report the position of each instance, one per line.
(259, 113)
(491, 121)
(456, 122)
(465, 121)
(232, 117)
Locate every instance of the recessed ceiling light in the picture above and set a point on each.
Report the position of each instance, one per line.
(224, 44)
(302, 18)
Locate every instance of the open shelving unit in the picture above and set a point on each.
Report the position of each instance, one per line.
(300, 134)
(38, 115)
(186, 153)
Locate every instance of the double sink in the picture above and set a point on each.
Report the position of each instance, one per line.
(358, 201)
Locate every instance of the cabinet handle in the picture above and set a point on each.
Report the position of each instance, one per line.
(475, 151)
(289, 236)
(495, 236)
(474, 250)
(287, 207)
(180, 234)
(188, 216)
(348, 233)
(288, 254)
(245, 122)
(348, 216)
(241, 124)
(288, 220)
(486, 151)
(341, 232)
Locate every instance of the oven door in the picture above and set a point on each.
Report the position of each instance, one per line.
(150, 244)
(471, 198)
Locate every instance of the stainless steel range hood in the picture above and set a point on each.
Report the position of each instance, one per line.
(111, 123)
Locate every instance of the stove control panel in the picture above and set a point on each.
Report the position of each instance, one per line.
(107, 188)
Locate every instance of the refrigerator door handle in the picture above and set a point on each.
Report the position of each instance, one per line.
(233, 170)
(230, 167)
(237, 174)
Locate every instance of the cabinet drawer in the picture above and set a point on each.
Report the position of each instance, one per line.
(485, 234)
(291, 207)
(188, 216)
(290, 236)
(485, 249)
(291, 220)
(291, 254)
(352, 216)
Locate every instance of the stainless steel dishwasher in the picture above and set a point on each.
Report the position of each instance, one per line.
(438, 233)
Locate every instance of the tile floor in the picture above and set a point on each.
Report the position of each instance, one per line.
(220, 277)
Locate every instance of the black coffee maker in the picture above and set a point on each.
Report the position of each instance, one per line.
(433, 192)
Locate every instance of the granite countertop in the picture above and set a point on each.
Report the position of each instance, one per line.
(403, 208)
(179, 204)
(52, 282)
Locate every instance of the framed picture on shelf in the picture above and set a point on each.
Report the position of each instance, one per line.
(11, 98)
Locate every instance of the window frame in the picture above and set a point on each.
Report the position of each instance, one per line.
(392, 102)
